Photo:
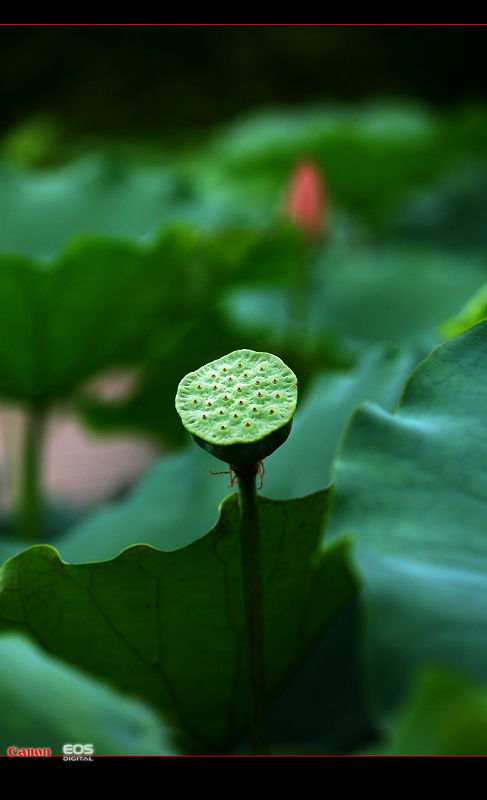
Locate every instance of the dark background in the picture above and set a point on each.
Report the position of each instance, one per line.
(107, 80)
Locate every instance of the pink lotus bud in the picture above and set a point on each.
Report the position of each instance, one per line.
(305, 202)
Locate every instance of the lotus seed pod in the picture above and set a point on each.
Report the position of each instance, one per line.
(239, 408)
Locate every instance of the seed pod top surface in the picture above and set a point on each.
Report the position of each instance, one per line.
(239, 407)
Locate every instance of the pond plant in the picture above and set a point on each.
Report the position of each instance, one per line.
(348, 611)
(240, 408)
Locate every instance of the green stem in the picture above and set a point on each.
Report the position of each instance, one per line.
(30, 501)
(252, 582)
(300, 298)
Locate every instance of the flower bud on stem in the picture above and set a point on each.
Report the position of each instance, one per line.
(306, 202)
(306, 205)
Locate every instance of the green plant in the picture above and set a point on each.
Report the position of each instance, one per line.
(134, 612)
(240, 408)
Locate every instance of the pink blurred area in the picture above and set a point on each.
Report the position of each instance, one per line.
(80, 468)
(306, 201)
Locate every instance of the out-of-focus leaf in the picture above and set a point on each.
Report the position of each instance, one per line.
(397, 294)
(474, 310)
(102, 303)
(41, 211)
(445, 715)
(412, 490)
(449, 214)
(47, 703)
(305, 462)
(376, 294)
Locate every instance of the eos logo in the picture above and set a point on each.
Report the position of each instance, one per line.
(78, 749)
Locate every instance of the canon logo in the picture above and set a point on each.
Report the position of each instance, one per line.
(29, 752)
